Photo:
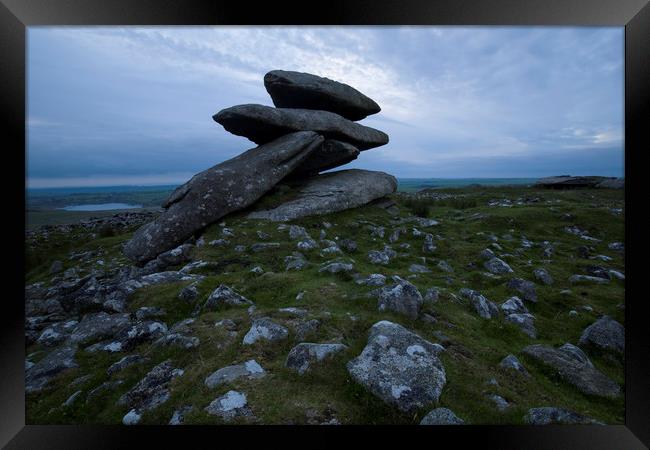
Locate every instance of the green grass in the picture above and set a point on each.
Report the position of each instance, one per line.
(476, 346)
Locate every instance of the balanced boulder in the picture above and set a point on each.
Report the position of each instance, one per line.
(213, 193)
(290, 89)
(262, 124)
(331, 192)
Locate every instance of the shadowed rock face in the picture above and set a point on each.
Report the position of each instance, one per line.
(219, 190)
(262, 124)
(330, 192)
(303, 90)
(332, 154)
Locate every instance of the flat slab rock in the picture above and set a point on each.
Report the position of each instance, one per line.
(219, 190)
(290, 89)
(399, 367)
(575, 368)
(331, 192)
(262, 124)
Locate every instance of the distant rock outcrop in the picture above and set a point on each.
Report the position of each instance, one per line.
(569, 182)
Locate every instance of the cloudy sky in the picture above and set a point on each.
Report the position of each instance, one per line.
(133, 105)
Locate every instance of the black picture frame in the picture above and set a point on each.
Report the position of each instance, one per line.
(634, 15)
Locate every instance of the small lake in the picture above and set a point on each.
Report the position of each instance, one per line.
(100, 207)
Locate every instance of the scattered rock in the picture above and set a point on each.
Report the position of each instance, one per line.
(131, 418)
(382, 257)
(399, 367)
(337, 267)
(514, 305)
(99, 326)
(543, 276)
(307, 244)
(189, 293)
(428, 246)
(445, 266)
(525, 322)
(125, 362)
(225, 296)
(264, 246)
(500, 402)
(487, 254)
(250, 370)
(56, 333)
(441, 416)
(295, 262)
(304, 355)
(605, 334)
(401, 298)
(484, 307)
(431, 295)
(265, 329)
(554, 416)
(304, 329)
(229, 406)
(577, 279)
(55, 362)
(149, 312)
(525, 288)
(56, 267)
(574, 370)
(348, 245)
(374, 279)
(179, 415)
(418, 268)
(497, 266)
(153, 389)
(511, 362)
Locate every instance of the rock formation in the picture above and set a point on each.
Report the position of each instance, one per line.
(310, 130)
(569, 182)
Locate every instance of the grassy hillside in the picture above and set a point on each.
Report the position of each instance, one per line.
(474, 346)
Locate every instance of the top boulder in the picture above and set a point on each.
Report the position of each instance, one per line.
(307, 91)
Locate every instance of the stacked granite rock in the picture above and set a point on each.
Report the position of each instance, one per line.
(311, 129)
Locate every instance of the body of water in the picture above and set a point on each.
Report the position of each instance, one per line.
(100, 207)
